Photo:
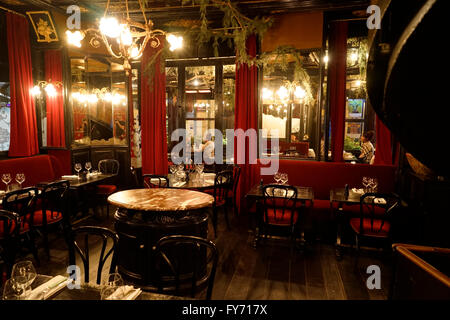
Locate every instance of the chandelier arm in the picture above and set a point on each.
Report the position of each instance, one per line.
(109, 48)
(143, 11)
(106, 9)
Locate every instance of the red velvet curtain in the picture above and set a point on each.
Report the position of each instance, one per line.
(153, 115)
(55, 105)
(337, 82)
(246, 116)
(23, 139)
(383, 154)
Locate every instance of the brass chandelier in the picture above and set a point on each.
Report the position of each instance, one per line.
(124, 39)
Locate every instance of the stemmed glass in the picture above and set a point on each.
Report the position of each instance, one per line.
(6, 178)
(22, 275)
(277, 177)
(284, 178)
(110, 285)
(366, 183)
(78, 168)
(373, 185)
(199, 168)
(20, 178)
(88, 166)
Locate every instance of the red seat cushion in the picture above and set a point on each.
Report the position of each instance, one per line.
(278, 217)
(106, 189)
(374, 231)
(219, 202)
(51, 217)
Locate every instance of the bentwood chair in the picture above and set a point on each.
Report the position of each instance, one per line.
(280, 209)
(184, 262)
(375, 218)
(233, 192)
(155, 181)
(138, 181)
(82, 239)
(9, 234)
(107, 166)
(223, 184)
(23, 202)
(54, 209)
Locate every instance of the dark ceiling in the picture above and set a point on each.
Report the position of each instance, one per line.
(162, 11)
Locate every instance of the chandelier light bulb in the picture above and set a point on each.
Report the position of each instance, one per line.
(74, 38)
(267, 94)
(125, 36)
(283, 93)
(35, 91)
(175, 42)
(92, 98)
(110, 27)
(299, 92)
(134, 52)
(50, 90)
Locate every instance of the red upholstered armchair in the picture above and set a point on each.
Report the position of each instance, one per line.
(107, 166)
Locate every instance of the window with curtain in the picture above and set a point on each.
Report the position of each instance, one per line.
(289, 106)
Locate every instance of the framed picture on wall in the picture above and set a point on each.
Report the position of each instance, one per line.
(43, 26)
(354, 130)
(355, 109)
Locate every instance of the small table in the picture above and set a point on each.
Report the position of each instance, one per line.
(146, 215)
(92, 292)
(206, 183)
(337, 196)
(304, 195)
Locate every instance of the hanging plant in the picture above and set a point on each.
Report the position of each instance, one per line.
(235, 29)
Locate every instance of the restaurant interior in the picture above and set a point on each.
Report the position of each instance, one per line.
(223, 150)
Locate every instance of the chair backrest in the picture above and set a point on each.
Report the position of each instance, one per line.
(185, 261)
(8, 224)
(55, 199)
(137, 178)
(280, 202)
(85, 233)
(109, 166)
(22, 202)
(155, 181)
(223, 182)
(376, 208)
(236, 175)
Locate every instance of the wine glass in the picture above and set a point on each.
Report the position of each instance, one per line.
(365, 183)
(88, 166)
(373, 185)
(277, 177)
(20, 178)
(23, 274)
(112, 287)
(284, 178)
(78, 168)
(12, 290)
(199, 168)
(173, 169)
(6, 178)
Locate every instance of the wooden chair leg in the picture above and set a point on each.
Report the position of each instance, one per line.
(45, 238)
(32, 247)
(214, 221)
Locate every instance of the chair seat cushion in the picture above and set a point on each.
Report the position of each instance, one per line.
(280, 218)
(106, 189)
(375, 230)
(52, 217)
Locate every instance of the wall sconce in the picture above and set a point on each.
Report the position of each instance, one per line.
(49, 88)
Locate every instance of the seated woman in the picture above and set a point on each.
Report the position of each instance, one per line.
(367, 149)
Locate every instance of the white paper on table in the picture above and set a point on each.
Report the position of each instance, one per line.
(125, 293)
(50, 288)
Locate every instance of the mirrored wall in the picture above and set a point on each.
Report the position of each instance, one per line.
(99, 102)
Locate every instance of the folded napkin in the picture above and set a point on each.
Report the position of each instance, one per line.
(358, 191)
(379, 201)
(125, 293)
(70, 177)
(49, 288)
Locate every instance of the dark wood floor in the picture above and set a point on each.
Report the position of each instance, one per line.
(270, 272)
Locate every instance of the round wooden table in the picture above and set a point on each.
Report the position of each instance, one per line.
(144, 216)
